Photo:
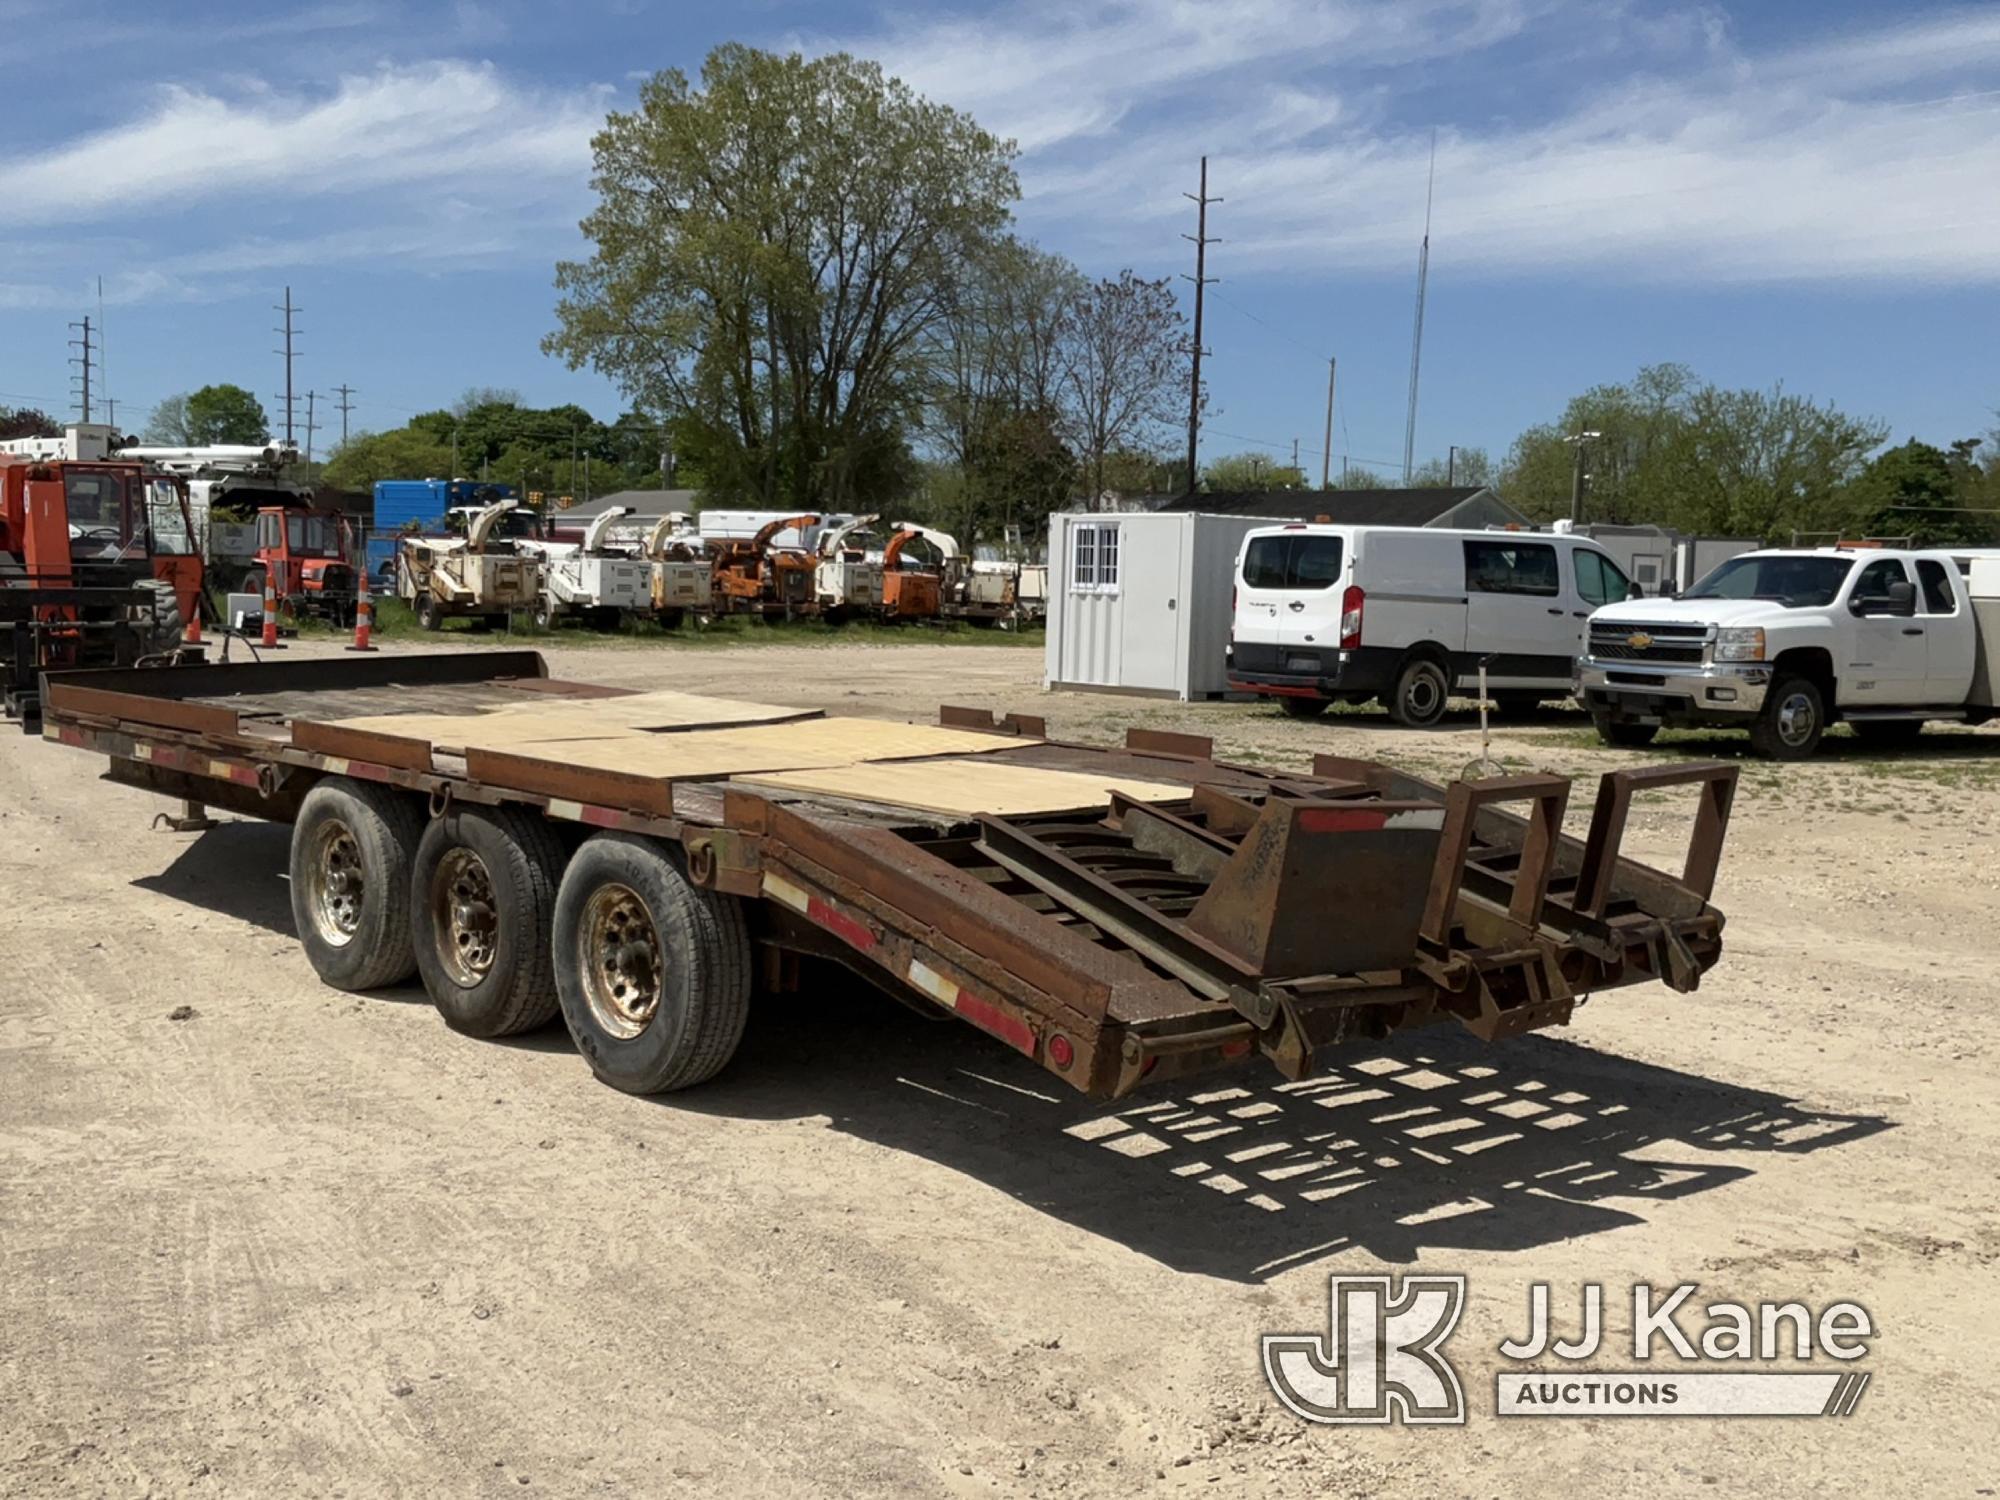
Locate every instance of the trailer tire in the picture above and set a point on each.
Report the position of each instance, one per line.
(426, 611)
(482, 904)
(351, 834)
(653, 971)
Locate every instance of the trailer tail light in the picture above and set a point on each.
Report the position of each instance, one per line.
(1350, 617)
(1061, 1053)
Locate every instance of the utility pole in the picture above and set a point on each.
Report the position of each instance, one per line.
(1451, 467)
(1201, 244)
(82, 361)
(291, 401)
(344, 406)
(1295, 455)
(1326, 453)
(1578, 441)
(311, 397)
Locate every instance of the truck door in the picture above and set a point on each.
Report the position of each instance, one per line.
(1518, 612)
(1598, 583)
(1888, 663)
(1951, 641)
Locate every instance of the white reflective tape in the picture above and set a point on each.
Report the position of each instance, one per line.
(1415, 817)
(933, 983)
(780, 889)
(558, 808)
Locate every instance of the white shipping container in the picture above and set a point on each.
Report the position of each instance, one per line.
(1140, 603)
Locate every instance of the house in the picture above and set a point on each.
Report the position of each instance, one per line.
(1465, 507)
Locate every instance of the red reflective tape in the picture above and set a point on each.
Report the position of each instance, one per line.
(601, 817)
(840, 924)
(990, 1018)
(1340, 819)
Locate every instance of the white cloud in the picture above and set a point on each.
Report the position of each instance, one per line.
(258, 152)
(1675, 153)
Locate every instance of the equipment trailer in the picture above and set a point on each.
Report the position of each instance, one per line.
(1117, 915)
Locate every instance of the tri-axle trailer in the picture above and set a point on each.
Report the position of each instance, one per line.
(640, 862)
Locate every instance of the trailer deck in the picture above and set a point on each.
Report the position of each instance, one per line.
(1117, 915)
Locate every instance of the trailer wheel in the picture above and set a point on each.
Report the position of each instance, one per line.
(653, 971)
(426, 610)
(544, 615)
(482, 899)
(352, 846)
(1422, 691)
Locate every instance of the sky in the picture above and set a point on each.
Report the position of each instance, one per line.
(1803, 192)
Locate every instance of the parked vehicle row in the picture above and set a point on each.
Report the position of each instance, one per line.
(1784, 642)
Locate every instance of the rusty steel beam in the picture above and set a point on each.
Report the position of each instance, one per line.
(1614, 804)
(1549, 796)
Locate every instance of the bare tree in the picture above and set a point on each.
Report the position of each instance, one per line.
(1124, 369)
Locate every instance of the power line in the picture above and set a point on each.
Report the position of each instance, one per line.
(1200, 279)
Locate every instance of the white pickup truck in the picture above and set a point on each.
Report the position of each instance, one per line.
(1785, 643)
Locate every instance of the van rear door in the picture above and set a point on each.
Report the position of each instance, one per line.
(1288, 600)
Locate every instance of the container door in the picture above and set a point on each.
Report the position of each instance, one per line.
(1092, 638)
(1143, 567)
(1518, 611)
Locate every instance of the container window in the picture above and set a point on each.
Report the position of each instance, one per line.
(1094, 558)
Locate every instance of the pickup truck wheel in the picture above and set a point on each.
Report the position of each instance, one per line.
(1792, 722)
(1624, 736)
(428, 617)
(352, 847)
(1302, 708)
(1422, 690)
(482, 904)
(653, 971)
(1886, 733)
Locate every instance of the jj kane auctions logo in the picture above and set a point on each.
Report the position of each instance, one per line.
(1381, 1358)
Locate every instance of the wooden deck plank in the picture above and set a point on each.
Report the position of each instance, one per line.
(965, 788)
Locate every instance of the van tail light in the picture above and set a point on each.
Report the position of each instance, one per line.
(1350, 618)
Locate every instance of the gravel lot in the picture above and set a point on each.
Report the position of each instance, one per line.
(306, 1241)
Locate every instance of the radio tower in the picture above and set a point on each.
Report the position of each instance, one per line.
(1417, 339)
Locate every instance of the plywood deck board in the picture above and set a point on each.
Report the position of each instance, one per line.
(773, 747)
(968, 787)
(662, 710)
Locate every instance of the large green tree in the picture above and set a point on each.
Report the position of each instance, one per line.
(405, 453)
(1925, 493)
(1669, 449)
(771, 252)
(26, 422)
(225, 414)
(1237, 473)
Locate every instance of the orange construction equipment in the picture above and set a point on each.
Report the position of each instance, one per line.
(749, 576)
(908, 593)
(98, 565)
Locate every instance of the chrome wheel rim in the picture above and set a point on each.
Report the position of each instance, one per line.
(465, 917)
(1797, 719)
(622, 963)
(335, 883)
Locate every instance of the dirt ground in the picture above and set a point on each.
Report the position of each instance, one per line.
(310, 1242)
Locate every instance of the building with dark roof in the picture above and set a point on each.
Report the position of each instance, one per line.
(1465, 507)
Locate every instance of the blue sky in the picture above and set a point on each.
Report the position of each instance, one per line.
(1785, 191)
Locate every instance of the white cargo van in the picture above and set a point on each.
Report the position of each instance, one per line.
(1407, 614)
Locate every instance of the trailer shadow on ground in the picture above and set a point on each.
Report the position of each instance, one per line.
(1434, 1141)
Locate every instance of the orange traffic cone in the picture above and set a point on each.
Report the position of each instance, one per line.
(364, 617)
(270, 640)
